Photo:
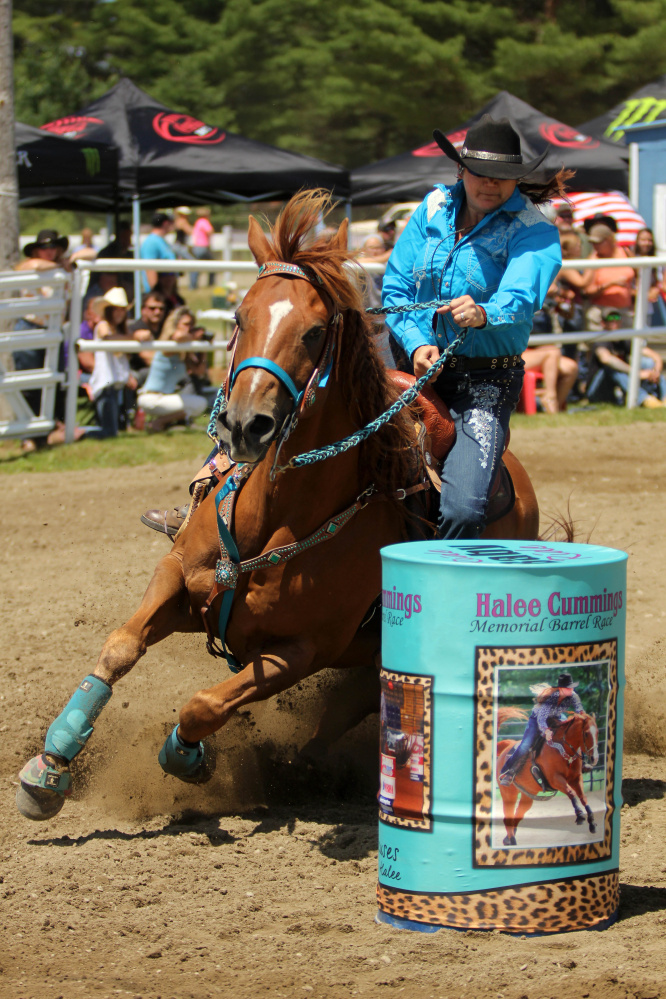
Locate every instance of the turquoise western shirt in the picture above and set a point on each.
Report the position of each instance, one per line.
(507, 263)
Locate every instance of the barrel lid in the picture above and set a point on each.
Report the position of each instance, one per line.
(532, 554)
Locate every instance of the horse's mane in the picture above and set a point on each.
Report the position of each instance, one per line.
(387, 456)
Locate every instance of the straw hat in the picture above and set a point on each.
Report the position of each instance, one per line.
(116, 297)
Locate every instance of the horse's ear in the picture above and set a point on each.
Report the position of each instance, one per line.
(339, 241)
(256, 240)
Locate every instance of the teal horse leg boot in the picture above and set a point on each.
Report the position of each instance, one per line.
(185, 760)
(45, 779)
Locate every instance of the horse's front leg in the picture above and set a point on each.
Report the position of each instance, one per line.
(268, 672)
(45, 780)
(577, 785)
(560, 783)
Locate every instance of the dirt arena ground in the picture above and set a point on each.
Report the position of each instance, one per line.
(262, 884)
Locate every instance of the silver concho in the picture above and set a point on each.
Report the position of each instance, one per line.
(226, 574)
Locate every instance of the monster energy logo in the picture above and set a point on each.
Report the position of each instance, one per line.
(93, 165)
(645, 109)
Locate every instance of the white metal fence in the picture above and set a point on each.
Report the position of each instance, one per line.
(25, 423)
(39, 299)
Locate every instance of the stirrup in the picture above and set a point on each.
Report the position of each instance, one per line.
(506, 779)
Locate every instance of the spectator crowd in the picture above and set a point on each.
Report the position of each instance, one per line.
(150, 389)
(154, 390)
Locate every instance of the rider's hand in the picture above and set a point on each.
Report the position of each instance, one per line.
(423, 358)
(549, 735)
(464, 311)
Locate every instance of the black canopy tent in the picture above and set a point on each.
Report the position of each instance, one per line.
(170, 158)
(599, 165)
(58, 173)
(643, 106)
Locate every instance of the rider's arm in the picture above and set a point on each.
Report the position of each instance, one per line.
(541, 713)
(533, 262)
(399, 287)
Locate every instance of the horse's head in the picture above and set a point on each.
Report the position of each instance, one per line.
(591, 738)
(285, 333)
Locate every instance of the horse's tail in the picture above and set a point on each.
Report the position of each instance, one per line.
(504, 714)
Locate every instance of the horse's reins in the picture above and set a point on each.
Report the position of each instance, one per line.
(300, 399)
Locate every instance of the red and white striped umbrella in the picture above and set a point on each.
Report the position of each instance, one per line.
(586, 204)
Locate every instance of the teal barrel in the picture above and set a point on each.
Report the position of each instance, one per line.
(488, 646)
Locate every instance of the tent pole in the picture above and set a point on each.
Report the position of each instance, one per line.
(136, 242)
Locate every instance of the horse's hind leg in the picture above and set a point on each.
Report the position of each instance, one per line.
(45, 780)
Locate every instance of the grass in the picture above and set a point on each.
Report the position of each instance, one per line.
(127, 450)
(191, 443)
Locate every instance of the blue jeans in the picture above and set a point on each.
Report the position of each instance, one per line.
(601, 385)
(519, 753)
(108, 407)
(480, 403)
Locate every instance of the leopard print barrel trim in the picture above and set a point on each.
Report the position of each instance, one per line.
(551, 907)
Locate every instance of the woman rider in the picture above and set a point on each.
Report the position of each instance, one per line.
(483, 245)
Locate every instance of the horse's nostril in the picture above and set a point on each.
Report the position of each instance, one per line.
(261, 428)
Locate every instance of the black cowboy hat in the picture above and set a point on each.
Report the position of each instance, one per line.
(45, 239)
(600, 219)
(491, 149)
(566, 680)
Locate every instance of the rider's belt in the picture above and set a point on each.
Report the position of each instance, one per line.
(460, 363)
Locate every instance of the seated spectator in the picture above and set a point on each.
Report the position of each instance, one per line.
(168, 396)
(571, 285)
(167, 286)
(564, 218)
(93, 315)
(111, 373)
(145, 329)
(197, 366)
(610, 382)
(559, 375)
(609, 287)
(202, 230)
(86, 250)
(645, 247)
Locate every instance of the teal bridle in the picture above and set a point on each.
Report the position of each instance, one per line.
(302, 399)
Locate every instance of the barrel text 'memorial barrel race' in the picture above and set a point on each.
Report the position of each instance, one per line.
(501, 735)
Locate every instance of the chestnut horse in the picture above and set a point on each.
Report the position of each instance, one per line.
(290, 618)
(560, 762)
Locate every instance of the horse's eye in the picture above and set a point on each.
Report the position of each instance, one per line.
(315, 333)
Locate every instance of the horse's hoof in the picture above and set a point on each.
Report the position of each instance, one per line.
(593, 827)
(203, 773)
(38, 803)
(509, 841)
(580, 819)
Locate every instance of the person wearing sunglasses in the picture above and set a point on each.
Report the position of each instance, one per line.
(483, 247)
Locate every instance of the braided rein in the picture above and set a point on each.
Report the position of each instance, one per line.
(353, 440)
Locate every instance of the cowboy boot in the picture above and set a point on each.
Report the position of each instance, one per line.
(167, 522)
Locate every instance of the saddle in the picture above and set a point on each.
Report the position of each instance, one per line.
(436, 435)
